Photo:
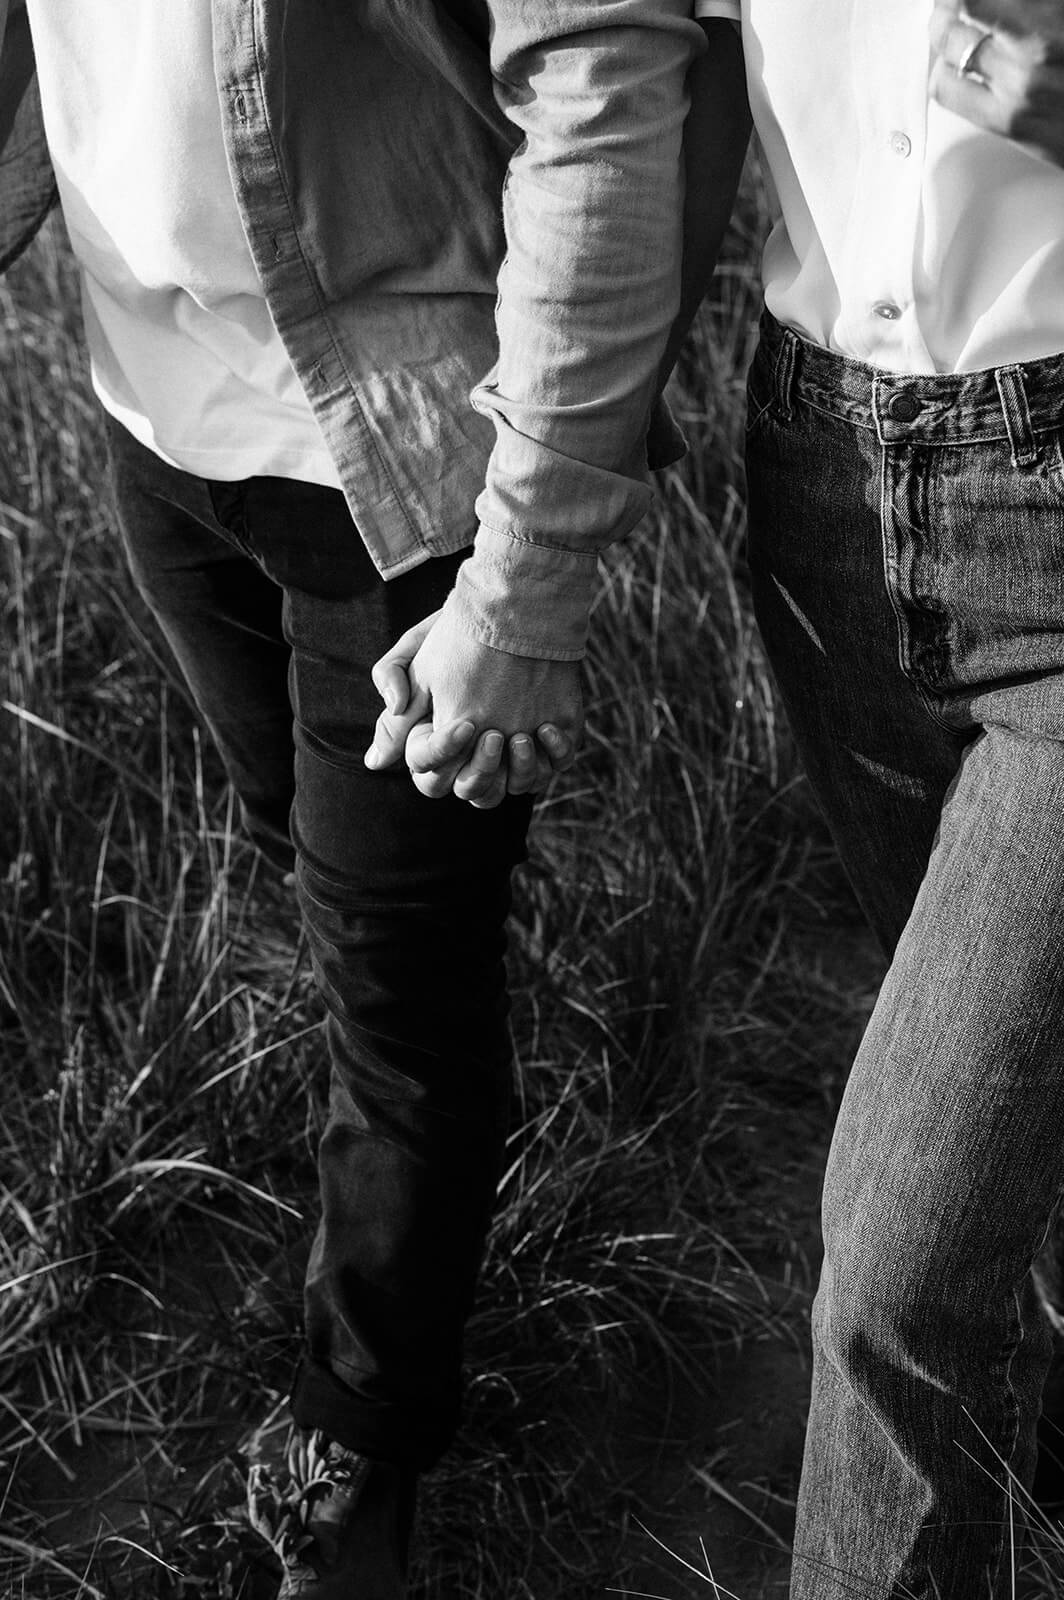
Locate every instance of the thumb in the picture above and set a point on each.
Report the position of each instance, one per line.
(393, 685)
(399, 657)
(392, 731)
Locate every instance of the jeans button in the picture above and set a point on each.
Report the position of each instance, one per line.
(903, 407)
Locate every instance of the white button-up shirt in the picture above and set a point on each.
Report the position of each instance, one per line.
(904, 235)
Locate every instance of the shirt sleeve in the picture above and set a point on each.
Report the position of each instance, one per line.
(731, 9)
(592, 208)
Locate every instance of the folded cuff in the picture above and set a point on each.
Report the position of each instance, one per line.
(526, 599)
(415, 1435)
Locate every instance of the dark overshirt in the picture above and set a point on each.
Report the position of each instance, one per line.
(466, 218)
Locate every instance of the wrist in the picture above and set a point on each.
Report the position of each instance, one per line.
(525, 599)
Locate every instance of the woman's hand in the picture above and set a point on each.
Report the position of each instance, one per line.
(1000, 64)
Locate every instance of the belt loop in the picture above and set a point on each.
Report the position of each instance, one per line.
(786, 360)
(1013, 393)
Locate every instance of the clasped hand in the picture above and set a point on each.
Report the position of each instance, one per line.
(1000, 64)
(472, 720)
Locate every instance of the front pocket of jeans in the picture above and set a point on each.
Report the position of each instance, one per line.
(984, 548)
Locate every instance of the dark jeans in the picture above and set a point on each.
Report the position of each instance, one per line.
(275, 613)
(907, 544)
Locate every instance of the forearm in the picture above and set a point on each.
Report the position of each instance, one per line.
(589, 290)
(594, 214)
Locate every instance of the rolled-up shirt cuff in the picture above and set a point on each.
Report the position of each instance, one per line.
(526, 599)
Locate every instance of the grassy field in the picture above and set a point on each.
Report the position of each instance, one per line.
(680, 1037)
(163, 1063)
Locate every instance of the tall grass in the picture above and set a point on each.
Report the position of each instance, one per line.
(163, 1077)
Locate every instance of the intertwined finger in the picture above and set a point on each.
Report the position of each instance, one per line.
(494, 796)
(561, 750)
(403, 651)
(392, 684)
(403, 710)
(390, 734)
(431, 749)
(436, 755)
(481, 780)
(529, 770)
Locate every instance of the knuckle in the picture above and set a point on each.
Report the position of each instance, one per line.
(420, 756)
(429, 784)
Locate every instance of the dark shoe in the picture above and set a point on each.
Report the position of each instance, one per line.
(341, 1524)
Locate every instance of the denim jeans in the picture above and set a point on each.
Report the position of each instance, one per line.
(907, 548)
(275, 613)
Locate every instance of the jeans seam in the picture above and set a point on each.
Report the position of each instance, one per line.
(905, 666)
(1014, 1422)
(1010, 1386)
(804, 397)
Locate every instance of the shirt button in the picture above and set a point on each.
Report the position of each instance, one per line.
(903, 407)
(887, 310)
(900, 143)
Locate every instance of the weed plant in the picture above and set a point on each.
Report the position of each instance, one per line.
(163, 1063)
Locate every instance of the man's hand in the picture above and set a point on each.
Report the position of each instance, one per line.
(440, 686)
(1000, 64)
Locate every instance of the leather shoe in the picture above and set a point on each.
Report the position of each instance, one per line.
(341, 1525)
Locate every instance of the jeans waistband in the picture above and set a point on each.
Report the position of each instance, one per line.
(1013, 402)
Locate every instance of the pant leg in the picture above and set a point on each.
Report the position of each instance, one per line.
(276, 614)
(404, 901)
(884, 589)
(878, 760)
(946, 1163)
(221, 616)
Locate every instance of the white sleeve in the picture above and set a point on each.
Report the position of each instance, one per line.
(731, 9)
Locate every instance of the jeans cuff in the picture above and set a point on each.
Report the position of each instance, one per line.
(411, 1435)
